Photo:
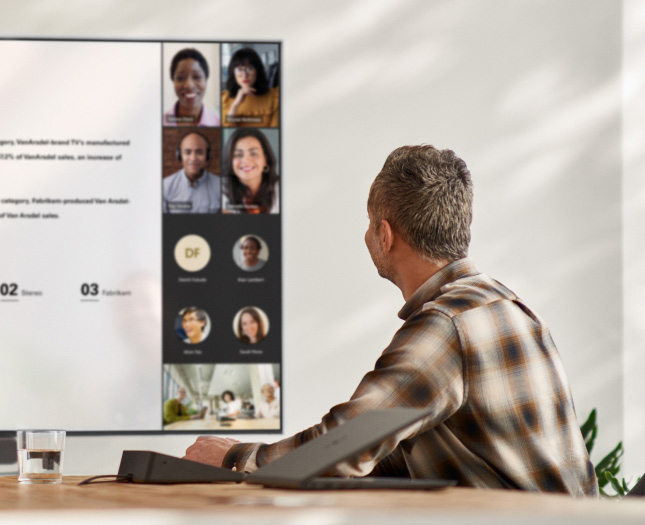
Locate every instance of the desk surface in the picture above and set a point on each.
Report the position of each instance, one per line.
(211, 423)
(232, 503)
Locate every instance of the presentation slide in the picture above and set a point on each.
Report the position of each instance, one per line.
(140, 288)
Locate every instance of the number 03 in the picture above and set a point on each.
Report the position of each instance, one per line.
(89, 289)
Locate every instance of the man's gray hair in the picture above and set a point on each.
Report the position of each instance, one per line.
(426, 194)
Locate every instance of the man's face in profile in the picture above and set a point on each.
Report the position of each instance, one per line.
(383, 266)
(181, 394)
(193, 155)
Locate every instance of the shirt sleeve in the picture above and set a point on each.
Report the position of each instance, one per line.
(422, 367)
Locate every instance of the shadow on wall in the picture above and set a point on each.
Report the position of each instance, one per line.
(528, 93)
(530, 99)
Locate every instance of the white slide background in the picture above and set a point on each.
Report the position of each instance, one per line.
(71, 364)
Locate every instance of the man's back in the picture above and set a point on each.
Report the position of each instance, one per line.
(516, 426)
(500, 413)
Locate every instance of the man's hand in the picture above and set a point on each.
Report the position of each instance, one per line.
(210, 450)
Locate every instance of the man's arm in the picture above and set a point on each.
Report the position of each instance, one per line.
(391, 466)
(210, 449)
(422, 367)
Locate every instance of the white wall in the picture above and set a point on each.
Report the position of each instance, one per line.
(528, 93)
(634, 234)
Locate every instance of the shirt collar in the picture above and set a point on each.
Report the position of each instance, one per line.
(431, 289)
(197, 182)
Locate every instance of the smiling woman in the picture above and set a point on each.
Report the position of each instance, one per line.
(250, 174)
(251, 325)
(189, 73)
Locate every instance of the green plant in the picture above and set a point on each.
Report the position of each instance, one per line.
(607, 467)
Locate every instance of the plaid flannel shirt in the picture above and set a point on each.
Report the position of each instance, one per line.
(503, 412)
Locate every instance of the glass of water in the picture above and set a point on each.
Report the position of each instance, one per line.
(40, 456)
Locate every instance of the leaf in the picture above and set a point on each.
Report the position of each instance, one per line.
(589, 423)
(607, 468)
(591, 440)
(610, 460)
(589, 430)
(615, 484)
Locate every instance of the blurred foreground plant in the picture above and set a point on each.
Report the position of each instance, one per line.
(607, 467)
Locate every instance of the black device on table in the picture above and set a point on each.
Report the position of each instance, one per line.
(299, 469)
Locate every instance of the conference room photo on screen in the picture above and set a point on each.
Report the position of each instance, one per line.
(145, 294)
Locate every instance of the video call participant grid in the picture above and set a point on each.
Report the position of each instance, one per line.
(221, 204)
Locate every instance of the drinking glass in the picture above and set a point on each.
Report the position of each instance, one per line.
(40, 456)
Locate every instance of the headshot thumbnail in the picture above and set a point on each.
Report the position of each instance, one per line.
(189, 96)
(250, 253)
(192, 188)
(192, 325)
(250, 172)
(250, 94)
(251, 325)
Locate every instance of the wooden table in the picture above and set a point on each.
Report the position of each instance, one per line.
(211, 423)
(231, 503)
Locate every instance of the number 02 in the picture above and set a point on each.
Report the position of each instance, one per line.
(8, 289)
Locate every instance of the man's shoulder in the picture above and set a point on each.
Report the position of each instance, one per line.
(468, 294)
(170, 179)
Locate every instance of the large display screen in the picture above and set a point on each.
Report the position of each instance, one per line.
(140, 200)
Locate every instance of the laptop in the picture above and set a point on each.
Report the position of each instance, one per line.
(302, 467)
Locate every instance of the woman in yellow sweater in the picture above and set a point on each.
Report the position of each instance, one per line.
(248, 99)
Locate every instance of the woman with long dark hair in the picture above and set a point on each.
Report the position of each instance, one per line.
(250, 327)
(248, 100)
(249, 175)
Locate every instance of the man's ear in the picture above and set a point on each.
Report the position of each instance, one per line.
(386, 235)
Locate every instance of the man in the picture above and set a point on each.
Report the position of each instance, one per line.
(250, 250)
(469, 348)
(192, 189)
(194, 323)
(174, 410)
(270, 407)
